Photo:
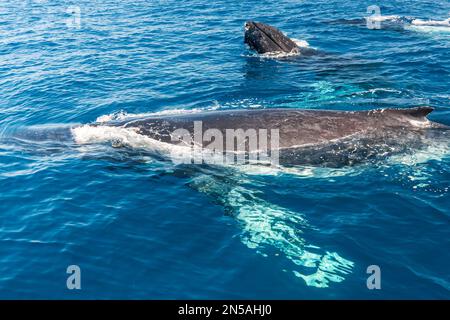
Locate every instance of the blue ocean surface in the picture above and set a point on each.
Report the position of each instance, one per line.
(142, 227)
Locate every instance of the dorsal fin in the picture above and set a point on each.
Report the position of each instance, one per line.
(417, 112)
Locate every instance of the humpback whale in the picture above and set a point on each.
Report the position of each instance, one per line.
(307, 137)
(267, 39)
(396, 22)
(326, 138)
(316, 137)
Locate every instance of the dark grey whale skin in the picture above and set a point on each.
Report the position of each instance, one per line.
(267, 39)
(313, 137)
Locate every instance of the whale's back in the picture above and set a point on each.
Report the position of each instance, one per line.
(296, 127)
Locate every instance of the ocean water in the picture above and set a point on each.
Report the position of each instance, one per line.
(142, 227)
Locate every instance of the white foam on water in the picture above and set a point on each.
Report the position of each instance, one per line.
(437, 23)
(24, 172)
(281, 54)
(389, 90)
(298, 171)
(380, 18)
(422, 123)
(129, 137)
(428, 28)
(301, 43)
(119, 136)
(122, 115)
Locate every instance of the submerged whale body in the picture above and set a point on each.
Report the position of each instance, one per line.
(264, 39)
(310, 137)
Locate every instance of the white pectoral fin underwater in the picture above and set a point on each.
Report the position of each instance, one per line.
(303, 137)
(273, 230)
